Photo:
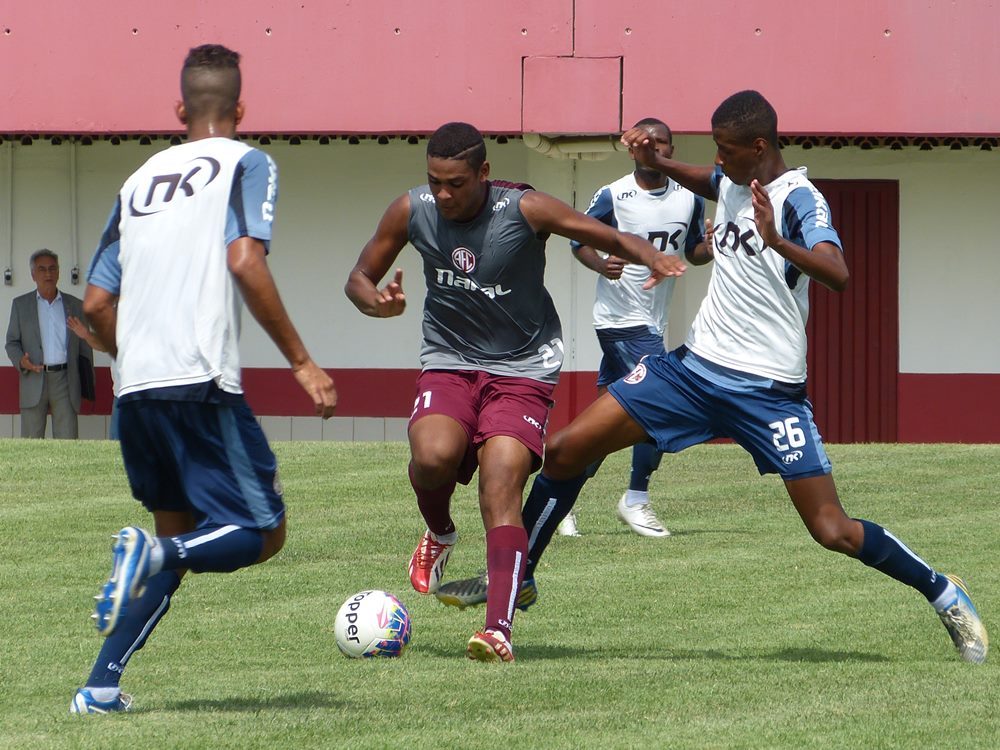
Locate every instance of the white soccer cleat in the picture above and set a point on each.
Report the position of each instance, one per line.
(641, 519)
(964, 626)
(567, 526)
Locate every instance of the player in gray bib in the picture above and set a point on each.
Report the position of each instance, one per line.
(491, 353)
(487, 307)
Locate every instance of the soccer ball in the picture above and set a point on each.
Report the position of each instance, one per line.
(372, 623)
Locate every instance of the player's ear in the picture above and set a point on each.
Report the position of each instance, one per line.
(181, 112)
(239, 112)
(760, 146)
(484, 172)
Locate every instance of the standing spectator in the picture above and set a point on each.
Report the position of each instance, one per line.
(46, 356)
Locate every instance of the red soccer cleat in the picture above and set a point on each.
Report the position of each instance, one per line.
(427, 563)
(489, 646)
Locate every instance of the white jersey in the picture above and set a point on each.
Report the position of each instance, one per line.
(753, 318)
(670, 218)
(164, 252)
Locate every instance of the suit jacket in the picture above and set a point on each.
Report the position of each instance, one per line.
(25, 335)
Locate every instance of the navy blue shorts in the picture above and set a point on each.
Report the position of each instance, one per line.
(209, 459)
(623, 348)
(679, 408)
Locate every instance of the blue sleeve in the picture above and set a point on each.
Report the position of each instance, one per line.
(105, 270)
(806, 219)
(716, 179)
(601, 208)
(252, 198)
(696, 229)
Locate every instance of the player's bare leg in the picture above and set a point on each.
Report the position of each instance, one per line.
(437, 448)
(815, 498)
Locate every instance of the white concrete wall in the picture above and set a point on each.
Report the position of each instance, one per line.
(333, 195)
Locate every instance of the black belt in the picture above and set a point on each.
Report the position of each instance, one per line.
(55, 368)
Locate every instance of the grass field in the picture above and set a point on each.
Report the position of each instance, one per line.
(736, 632)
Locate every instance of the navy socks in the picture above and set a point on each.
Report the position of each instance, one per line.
(141, 617)
(884, 552)
(548, 503)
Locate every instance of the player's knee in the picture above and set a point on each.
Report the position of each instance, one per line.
(431, 466)
(834, 534)
(560, 459)
(273, 541)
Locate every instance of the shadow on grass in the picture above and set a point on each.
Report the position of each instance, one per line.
(811, 655)
(302, 701)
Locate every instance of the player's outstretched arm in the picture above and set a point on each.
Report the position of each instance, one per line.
(376, 259)
(697, 179)
(547, 214)
(247, 263)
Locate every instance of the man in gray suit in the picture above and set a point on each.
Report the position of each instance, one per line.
(46, 353)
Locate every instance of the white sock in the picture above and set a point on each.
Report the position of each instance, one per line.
(445, 538)
(155, 558)
(946, 599)
(636, 497)
(105, 694)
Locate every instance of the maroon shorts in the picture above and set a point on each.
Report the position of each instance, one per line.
(486, 405)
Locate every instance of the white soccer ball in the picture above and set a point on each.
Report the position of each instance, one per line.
(372, 623)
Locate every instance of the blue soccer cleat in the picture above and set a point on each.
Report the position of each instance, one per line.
(964, 626)
(469, 592)
(130, 568)
(85, 703)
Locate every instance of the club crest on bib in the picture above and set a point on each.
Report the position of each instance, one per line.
(637, 375)
(464, 259)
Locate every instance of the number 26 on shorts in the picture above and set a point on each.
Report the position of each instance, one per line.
(787, 431)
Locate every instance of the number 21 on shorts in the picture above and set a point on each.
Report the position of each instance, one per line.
(787, 431)
(425, 397)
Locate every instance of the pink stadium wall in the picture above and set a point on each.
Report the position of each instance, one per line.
(559, 66)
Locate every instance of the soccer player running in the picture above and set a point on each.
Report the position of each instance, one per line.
(186, 240)
(491, 352)
(631, 321)
(742, 371)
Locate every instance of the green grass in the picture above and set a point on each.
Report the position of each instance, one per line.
(736, 632)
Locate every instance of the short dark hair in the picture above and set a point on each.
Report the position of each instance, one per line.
(43, 253)
(210, 81)
(458, 140)
(654, 121)
(748, 115)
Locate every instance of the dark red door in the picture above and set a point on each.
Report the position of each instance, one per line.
(854, 335)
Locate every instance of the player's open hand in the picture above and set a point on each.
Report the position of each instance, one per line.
(664, 266)
(613, 267)
(390, 300)
(763, 214)
(641, 146)
(319, 386)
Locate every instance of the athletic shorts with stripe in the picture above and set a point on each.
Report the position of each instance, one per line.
(678, 408)
(211, 459)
